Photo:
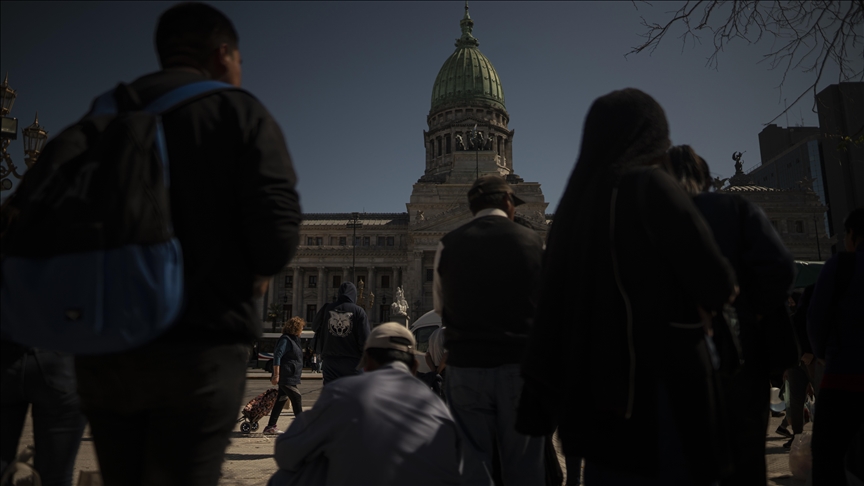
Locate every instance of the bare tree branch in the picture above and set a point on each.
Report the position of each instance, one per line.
(806, 36)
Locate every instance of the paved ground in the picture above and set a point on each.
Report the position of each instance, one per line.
(249, 461)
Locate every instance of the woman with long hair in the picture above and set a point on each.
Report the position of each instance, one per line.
(630, 367)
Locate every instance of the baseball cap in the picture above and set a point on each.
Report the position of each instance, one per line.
(492, 184)
(390, 335)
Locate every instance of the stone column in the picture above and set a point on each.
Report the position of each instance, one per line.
(346, 274)
(371, 288)
(322, 290)
(296, 292)
(418, 290)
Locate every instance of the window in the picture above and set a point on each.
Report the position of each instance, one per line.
(310, 312)
(343, 240)
(439, 146)
(381, 240)
(319, 241)
(384, 310)
(430, 274)
(447, 142)
(310, 241)
(799, 226)
(286, 311)
(357, 241)
(337, 281)
(289, 281)
(365, 241)
(313, 281)
(385, 281)
(391, 241)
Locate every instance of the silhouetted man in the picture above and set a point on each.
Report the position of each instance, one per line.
(486, 275)
(162, 413)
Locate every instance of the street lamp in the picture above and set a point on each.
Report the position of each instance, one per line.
(354, 224)
(35, 137)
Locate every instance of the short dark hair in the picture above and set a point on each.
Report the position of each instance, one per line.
(854, 222)
(690, 170)
(385, 356)
(188, 33)
(494, 200)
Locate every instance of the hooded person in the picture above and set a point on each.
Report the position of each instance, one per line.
(341, 329)
(626, 250)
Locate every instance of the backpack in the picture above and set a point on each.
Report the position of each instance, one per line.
(90, 263)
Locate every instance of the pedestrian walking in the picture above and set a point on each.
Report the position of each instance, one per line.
(43, 381)
(341, 329)
(835, 324)
(485, 286)
(287, 369)
(617, 353)
(163, 413)
(765, 271)
(383, 427)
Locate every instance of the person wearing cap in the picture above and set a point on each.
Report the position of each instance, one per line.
(484, 287)
(382, 427)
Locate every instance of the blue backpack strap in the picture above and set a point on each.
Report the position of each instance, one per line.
(183, 93)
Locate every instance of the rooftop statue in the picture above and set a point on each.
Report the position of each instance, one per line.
(739, 167)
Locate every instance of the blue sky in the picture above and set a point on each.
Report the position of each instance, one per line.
(350, 82)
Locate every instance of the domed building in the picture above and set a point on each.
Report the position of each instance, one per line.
(468, 136)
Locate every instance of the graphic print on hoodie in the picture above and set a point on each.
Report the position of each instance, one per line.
(340, 323)
(341, 327)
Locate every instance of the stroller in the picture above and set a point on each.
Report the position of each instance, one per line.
(257, 408)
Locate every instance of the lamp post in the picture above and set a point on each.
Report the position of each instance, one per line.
(34, 137)
(354, 224)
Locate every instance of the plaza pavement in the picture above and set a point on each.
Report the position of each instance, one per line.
(249, 457)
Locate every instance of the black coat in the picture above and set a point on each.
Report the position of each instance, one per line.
(666, 259)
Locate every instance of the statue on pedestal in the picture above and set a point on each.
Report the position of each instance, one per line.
(399, 308)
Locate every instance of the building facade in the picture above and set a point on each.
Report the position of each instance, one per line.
(468, 136)
(841, 115)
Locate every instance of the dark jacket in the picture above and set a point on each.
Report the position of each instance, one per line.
(234, 205)
(835, 321)
(341, 327)
(764, 267)
(489, 272)
(765, 271)
(289, 358)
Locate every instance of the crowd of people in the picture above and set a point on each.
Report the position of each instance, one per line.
(650, 316)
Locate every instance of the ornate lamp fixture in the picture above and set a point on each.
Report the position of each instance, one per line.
(35, 137)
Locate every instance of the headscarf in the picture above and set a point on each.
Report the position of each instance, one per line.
(623, 129)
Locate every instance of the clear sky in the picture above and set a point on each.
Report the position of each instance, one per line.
(350, 82)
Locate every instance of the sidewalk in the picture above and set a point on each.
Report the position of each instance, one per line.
(249, 457)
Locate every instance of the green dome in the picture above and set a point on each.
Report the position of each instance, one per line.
(467, 76)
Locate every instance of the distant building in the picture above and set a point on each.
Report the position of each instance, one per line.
(841, 114)
(467, 136)
(789, 156)
(797, 215)
(797, 212)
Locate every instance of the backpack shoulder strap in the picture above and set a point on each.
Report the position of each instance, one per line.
(185, 93)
